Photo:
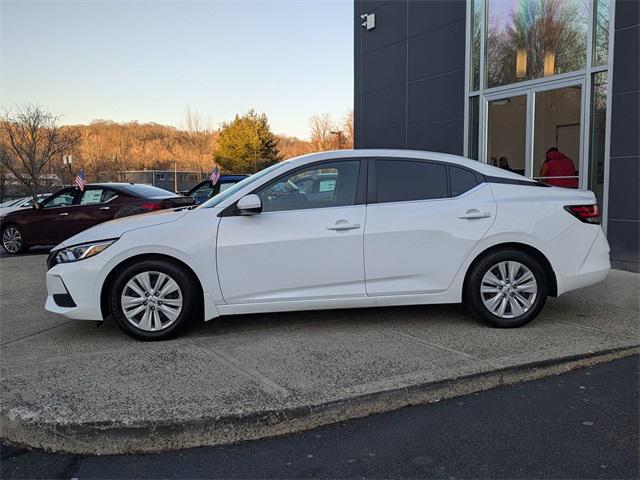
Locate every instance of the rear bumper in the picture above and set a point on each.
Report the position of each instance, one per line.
(579, 257)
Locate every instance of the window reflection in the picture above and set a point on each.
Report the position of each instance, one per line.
(476, 16)
(597, 135)
(601, 33)
(535, 38)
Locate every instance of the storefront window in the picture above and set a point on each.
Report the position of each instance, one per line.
(529, 39)
(476, 22)
(601, 32)
(597, 134)
(474, 124)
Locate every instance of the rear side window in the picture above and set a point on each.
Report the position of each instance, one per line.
(461, 180)
(405, 180)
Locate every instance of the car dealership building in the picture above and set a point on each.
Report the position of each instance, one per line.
(502, 82)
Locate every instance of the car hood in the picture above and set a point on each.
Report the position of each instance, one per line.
(116, 228)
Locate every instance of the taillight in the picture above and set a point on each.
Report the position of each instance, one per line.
(151, 206)
(585, 213)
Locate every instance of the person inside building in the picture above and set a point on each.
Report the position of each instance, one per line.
(558, 170)
(503, 162)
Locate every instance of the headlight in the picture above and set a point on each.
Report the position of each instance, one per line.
(82, 251)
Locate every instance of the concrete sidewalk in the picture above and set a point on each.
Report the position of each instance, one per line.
(67, 385)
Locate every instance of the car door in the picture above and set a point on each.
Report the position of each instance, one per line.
(301, 246)
(51, 224)
(93, 207)
(423, 219)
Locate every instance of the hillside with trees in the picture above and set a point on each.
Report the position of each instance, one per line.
(244, 144)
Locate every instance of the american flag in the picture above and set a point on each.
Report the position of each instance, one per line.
(79, 181)
(215, 175)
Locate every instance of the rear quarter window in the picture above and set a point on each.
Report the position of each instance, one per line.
(461, 180)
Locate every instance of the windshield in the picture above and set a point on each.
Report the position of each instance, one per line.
(216, 199)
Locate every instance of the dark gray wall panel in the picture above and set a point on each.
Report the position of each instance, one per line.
(623, 222)
(383, 108)
(627, 73)
(389, 138)
(391, 26)
(624, 238)
(438, 137)
(625, 124)
(384, 67)
(627, 13)
(435, 30)
(438, 51)
(436, 98)
(624, 196)
(427, 15)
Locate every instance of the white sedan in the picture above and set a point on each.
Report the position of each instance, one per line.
(24, 202)
(341, 229)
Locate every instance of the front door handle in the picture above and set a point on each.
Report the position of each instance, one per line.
(474, 213)
(105, 208)
(343, 225)
(63, 214)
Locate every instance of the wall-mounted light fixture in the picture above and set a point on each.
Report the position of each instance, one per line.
(521, 63)
(549, 63)
(369, 20)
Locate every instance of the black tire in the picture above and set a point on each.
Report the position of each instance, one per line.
(190, 296)
(12, 250)
(475, 299)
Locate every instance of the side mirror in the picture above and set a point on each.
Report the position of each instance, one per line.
(37, 206)
(249, 204)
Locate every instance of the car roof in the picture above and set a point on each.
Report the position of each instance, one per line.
(480, 167)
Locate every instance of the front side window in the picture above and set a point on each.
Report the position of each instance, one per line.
(62, 199)
(408, 180)
(332, 184)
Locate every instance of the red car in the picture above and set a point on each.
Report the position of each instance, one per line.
(70, 211)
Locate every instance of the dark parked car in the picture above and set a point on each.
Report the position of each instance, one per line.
(70, 211)
(204, 190)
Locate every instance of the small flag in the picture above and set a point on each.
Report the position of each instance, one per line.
(79, 181)
(215, 175)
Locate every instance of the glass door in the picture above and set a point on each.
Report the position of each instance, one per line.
(537, 132)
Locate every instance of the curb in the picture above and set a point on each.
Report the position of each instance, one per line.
(113, 438)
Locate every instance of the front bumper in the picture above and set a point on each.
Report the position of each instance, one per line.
(73, 289)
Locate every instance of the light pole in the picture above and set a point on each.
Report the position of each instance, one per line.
(339, 134)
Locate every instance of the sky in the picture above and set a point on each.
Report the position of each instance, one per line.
(149, 61)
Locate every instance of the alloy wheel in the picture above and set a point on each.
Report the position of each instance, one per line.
(151, 301)
(508, 289)
(12, 239)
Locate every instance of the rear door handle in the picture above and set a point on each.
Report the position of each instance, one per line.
(344, 226)
(105, 208)
(63, 214)
(474, 213)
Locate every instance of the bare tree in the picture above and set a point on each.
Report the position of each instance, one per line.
(30, 139)
(347, 124)
(199, 134)
(321, 137)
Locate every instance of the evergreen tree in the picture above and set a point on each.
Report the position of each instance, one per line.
(246, 144)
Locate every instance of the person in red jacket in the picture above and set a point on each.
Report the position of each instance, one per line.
(558, 165)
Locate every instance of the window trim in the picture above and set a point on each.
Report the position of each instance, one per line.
(232, 210)
(372, 194)
(59, 193)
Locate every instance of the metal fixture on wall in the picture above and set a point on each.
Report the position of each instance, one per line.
(369, 20)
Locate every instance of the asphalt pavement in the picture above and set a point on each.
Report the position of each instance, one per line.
(582, 424)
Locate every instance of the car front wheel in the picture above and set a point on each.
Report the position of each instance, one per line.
(507, 288)
(154, 300)
(13, 241)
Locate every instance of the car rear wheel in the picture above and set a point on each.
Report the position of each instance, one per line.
(154, 300)
(13, 241)
(507, 288)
